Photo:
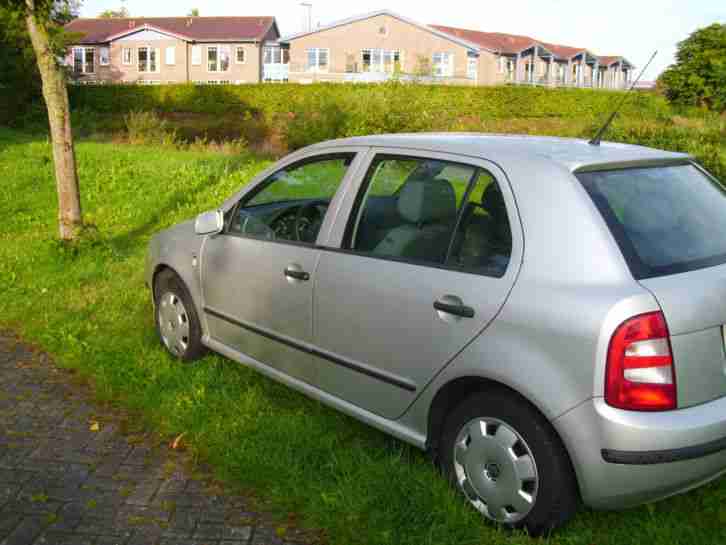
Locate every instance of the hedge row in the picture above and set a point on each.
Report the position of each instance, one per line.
(304, 114)
(272, 99)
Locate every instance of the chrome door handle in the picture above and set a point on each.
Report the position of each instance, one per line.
(457, 309)
(297, 274)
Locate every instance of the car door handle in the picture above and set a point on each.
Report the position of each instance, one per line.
(457, 309)
(297, 274)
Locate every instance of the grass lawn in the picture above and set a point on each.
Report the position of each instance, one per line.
(88, 306)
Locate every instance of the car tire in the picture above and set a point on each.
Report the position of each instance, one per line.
(505, 458)
(175, 315)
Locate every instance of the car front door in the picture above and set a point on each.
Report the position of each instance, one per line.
(424, 262)
(257, 276)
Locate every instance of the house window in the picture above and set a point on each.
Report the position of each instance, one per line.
(380, 60)
(318, 59)
(443, 64)
(196, 55)
(127, 56)
(472, 67)
(275, 55)
(103, 56)
(84, 60)
(148, 58)
(212, 58)
(78, 61)
(171, 55)
(218, 58)
(89, 61)
(239, 55)
(502, 65)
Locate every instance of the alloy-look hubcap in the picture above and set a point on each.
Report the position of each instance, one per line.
(173, 323)
(495, 469)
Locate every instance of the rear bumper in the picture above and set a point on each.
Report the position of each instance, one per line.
(625, 458)
(649, 457)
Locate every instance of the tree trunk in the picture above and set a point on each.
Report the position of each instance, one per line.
(55, 94)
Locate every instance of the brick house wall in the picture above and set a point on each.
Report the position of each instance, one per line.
(416, 45)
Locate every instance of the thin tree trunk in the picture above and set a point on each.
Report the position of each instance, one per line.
(55, 94)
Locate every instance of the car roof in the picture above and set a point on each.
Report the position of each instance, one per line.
(574, 154)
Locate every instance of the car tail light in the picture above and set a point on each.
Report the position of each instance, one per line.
(640, 372)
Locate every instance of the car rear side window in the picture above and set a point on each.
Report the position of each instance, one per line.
(432, 212)
(666, 219)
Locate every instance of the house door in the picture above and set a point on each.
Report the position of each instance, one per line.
(275, 63)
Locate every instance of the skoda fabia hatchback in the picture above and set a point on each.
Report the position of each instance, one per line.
(544, 316)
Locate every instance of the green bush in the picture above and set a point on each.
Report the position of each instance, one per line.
(706, 143)
(298, 115)
(387, 105)
(148, 128)
(698, 78)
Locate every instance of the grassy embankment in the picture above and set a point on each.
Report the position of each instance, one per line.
(87, 305)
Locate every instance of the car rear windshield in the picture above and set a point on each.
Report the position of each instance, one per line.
(666, 219)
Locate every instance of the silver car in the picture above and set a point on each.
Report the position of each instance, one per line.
(544, 316)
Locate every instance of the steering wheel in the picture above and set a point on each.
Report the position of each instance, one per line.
(303, 233)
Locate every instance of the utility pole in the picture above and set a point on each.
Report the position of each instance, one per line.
(307, 17)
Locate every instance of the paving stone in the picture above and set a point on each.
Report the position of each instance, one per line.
(63, 484)
(25, 532)
(63, 538)
(239, 533)
(112, 540)
(143, 493)
(208, 530)
(8, 492)
(265, 536)
(8, 522)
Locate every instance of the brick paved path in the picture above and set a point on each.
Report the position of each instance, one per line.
(68, 476)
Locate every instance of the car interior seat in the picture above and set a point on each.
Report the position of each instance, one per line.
(428, 210)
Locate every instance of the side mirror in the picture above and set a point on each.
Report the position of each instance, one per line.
(209, 223)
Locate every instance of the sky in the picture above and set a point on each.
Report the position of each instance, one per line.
(631, 28)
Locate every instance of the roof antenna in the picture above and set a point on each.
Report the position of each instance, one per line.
(598, 137)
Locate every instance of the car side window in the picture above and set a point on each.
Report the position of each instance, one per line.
(483, 239)
(291, 204)
(410, 208)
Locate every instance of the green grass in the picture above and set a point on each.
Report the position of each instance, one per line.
(88, 306)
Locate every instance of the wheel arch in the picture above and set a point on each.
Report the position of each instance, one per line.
(161, 268)
(158, 270)
(455, 391)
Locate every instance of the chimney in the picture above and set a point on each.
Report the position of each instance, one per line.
(189, 22)
(132, 24)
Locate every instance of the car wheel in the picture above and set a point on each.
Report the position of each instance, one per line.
(508, 462)
(176, 318)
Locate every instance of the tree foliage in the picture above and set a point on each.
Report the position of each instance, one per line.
(194, 12)
(120, 13)
(20, 85)
(698, 78)
(44, 21)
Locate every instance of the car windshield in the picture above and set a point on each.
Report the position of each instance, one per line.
(666, 219)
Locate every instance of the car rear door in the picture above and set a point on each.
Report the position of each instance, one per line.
(385, 324)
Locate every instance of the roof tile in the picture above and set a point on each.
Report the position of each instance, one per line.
(513, 43)
(191, 28)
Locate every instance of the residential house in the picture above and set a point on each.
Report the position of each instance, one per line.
(380, 45)
(157, 50)
(525, 60)
(372, 47)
